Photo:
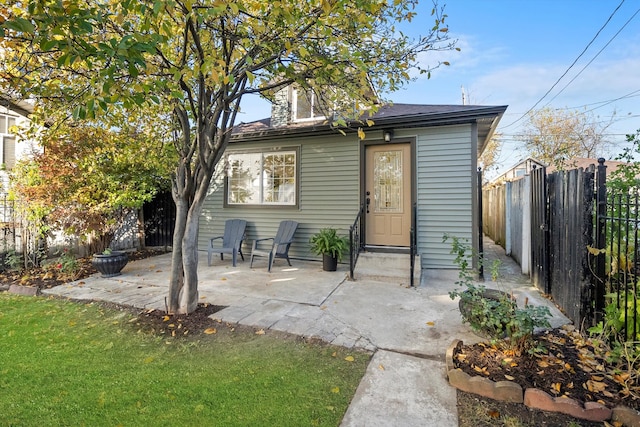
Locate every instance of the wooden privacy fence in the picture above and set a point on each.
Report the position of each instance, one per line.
(550, 222)
(570, 228)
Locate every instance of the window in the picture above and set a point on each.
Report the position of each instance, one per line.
(262, 178)
(8, 140)
(306, 105)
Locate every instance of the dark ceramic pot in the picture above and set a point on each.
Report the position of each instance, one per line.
(110, 264)
(329, 263)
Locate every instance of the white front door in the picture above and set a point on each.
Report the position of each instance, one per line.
(388, 195)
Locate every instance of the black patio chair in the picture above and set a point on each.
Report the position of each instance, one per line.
(234, 235)
(279, 247)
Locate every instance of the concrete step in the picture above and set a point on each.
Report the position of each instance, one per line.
(386, 266)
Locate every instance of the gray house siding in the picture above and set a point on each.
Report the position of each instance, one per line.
(328, 191)
(444, 191)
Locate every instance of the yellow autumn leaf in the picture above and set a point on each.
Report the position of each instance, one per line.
(260, 332)
(509, 377)
(148, 360)
(621, 378)
(361, 133)
(595, 386)
(166, 318)
(210, 331)
(335, 390)
(350, 359)
(334, 354)
(594, 251)
(555, 387)
(431, 323)
(543, 364)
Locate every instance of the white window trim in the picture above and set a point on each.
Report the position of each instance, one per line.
(294, 108)
(262, 203)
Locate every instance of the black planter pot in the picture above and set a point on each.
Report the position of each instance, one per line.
(110, 264)
(329, 263)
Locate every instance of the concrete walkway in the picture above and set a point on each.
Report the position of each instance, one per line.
(407, 329)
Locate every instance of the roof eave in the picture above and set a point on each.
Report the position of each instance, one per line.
(404, 121)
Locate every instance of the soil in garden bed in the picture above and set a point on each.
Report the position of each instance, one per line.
(567, 364)
(50, 275)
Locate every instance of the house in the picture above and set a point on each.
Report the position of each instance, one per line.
(586, 163)
(522, 168)
(13, 115)
(294, 165)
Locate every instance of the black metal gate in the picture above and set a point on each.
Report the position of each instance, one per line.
(159, 220)
(539, 230)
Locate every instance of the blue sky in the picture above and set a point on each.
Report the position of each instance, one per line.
(512, 53)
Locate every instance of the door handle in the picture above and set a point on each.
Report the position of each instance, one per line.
(368, 201)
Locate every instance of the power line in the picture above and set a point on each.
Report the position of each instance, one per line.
(595, 56)
(571, 66)
(607, 102)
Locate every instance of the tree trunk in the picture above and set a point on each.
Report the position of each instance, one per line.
(183, 286)
(189, 294)
(176, 280)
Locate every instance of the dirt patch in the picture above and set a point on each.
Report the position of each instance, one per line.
(478, 411)
(566, 363)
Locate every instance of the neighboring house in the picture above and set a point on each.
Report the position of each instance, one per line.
(585, 163)
(522, 168)
(13, 115)
(294, 165)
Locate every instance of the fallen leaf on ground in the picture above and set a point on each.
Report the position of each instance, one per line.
(210, 331)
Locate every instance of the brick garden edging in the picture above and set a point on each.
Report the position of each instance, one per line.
(509, 391)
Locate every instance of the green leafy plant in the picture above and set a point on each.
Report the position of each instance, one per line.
(491, 312)
(327, 241)
(13, 260)
(68, 263)
(619, 317)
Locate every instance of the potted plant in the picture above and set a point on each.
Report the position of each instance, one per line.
(110, 263)
(331, 246)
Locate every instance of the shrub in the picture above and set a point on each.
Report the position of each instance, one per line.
(492, 312)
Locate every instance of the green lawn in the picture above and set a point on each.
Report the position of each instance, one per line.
(65, 363)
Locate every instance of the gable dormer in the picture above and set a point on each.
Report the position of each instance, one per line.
(299, 105)
(295, 104)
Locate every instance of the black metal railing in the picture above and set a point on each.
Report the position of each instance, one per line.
(619, 300)
(413, 245)
(355, 241)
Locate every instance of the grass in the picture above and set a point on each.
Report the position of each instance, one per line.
(65, 363)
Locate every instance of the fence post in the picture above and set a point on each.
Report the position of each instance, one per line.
(601, 213)
(480, 234)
